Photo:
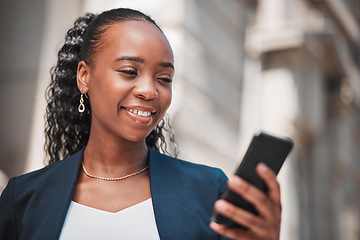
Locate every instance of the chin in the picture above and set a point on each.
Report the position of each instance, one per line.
(137, 137)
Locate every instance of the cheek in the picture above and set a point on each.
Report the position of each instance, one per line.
(105, 98)
(111, 89)
(166, 96)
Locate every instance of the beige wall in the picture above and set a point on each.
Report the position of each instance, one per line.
(21, 37)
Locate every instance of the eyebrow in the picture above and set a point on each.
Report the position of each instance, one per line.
(167, 64)
(135, 59)
(140, 60)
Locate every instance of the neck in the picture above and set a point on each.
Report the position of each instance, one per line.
(114, 158)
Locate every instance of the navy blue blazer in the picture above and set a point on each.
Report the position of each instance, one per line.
(34, 205)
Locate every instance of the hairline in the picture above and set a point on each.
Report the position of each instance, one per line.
(101, 30)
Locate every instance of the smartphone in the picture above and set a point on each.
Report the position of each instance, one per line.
(271, 150)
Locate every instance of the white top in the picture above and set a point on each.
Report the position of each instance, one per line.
(135, 222)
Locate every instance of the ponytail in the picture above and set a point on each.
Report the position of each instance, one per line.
(66, 130)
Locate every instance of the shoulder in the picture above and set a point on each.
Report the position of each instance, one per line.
(194, 169)
(46, 175)
(188, 172)
(183, 166)
(26, 199)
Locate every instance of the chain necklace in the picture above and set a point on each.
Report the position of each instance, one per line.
(114, 179)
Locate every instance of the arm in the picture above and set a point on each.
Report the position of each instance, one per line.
(267, 224)
(7, 214)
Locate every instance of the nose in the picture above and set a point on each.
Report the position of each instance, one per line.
(146, 88)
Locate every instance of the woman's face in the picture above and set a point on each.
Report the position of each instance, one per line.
(129, 82)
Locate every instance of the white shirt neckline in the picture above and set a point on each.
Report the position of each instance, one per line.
(132, 223)
(104, 211)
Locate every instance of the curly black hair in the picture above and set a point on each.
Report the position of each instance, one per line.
(67, 130)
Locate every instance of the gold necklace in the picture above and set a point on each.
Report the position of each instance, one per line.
(114, 179)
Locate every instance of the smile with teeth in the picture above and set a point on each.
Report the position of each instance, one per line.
(139, 112)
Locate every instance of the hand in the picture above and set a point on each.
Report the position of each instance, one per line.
(266, 226)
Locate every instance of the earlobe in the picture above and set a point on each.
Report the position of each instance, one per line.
(82, 77)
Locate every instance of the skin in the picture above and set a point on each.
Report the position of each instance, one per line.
(133, 68)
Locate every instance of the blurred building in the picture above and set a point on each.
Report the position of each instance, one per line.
(289, 67)
(302, 77)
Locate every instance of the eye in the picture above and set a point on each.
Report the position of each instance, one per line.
(128, 71)
(165, 79)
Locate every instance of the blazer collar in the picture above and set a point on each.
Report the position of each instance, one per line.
(52, 207)
(165, 188)
(171, 207)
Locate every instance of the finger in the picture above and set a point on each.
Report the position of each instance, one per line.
(257, 198)
(232, 233)
(242, 217)
(269, 177)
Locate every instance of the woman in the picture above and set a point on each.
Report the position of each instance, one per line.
(113, 183)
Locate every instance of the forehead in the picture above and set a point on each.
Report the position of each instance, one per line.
(134, 38)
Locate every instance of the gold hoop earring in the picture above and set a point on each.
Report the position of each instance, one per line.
(81, 107)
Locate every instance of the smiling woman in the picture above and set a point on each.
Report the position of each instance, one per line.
(67, 131)
(125, 77)
(106, 178)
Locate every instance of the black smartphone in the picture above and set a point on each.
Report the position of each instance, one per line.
(271, 150)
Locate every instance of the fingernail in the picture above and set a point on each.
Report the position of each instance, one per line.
(214, 225)
(263, 167)
(237, 181)
(221, 206)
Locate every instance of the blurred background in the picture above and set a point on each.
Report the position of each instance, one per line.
(289, 67)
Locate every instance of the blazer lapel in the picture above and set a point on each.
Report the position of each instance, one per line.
(51, 208)
(163, 194)
(173, 211)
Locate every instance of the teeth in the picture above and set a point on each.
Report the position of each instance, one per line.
(138, 112)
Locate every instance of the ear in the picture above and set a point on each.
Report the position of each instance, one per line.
(82, 77)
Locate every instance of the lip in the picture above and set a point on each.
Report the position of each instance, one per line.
(129, 111)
